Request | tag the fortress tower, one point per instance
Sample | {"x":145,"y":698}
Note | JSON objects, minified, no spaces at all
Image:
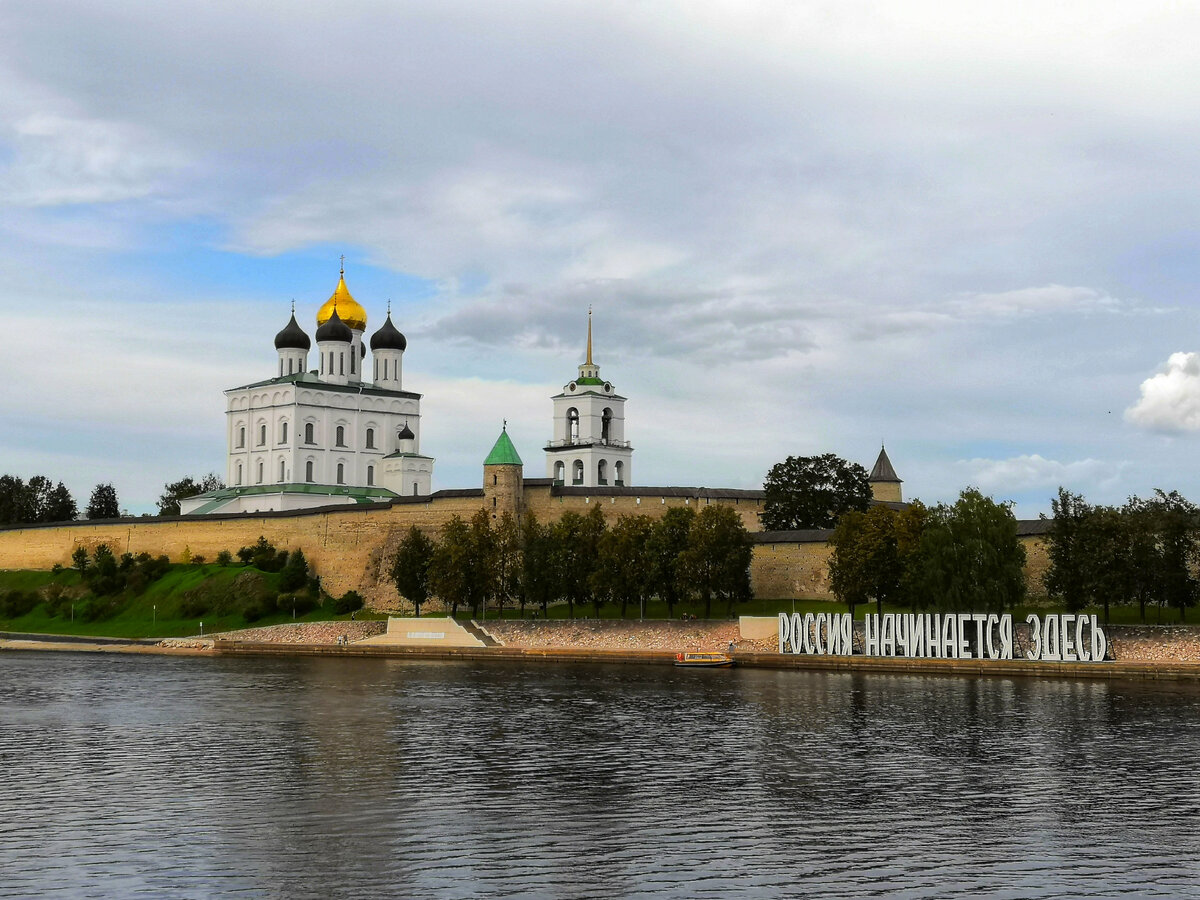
{"x":885,"y":483}
{"x":589,"y":447}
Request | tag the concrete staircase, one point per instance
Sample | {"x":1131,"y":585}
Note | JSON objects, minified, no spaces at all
{"x":478,"y":631}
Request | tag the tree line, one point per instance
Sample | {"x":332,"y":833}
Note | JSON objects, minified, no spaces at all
{"x":1144,"y":553}
{"x":684,"y":557}
{"x":956,"y":557}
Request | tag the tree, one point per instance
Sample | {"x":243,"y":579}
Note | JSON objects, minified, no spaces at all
{"x":624,"y":563}
{"x":459,"y":570}
{"x":168,"y":503}
{"x":575,"y":541}
{"x":865,"y":562}
{"x":1177,"y":550}
{"x":483,"y":561}
{"x":971,"y":560}
{"x":539,"y":582}
{"x":294,"y":574}
{"x":813,"y":492}
{"x":666,"y":544}
{"x":61,"y":506}
{"x":79,"y":559}
{"x":507,"y":560}
{"x":716,"y":562}
{"x":103,"y":503}
{"x":1069,"y":570}
{"x":411,"y":565}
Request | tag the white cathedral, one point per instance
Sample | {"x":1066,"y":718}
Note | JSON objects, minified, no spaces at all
{"x":326,"y":436}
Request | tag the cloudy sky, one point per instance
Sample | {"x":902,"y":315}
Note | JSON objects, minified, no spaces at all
{"x":968,"y":230}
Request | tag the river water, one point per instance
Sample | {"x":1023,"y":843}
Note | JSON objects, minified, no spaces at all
{"x":191,"y":777}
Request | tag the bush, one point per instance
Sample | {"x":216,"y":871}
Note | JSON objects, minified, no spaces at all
{"x":15,"y":604}
{"x":199,"y":560}
{"x":263,"y":555}
{"x":294,"y":573}
{"x":56,"y":569}
{"x":349,"y":602}
{"x":224,"y":558}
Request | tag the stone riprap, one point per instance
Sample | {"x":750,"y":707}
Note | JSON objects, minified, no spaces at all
{"x":306,"y":632}
{"x":615,"y":634}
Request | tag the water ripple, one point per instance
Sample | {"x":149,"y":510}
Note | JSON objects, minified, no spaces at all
{"x":158,"y":777}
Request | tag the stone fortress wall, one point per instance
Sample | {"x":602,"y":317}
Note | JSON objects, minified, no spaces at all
{"x":349,"y":546}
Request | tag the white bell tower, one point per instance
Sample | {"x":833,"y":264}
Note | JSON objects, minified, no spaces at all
{"x":588,"y":448}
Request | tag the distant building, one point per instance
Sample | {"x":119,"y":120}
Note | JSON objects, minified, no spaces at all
{"x":313,"y":438}
{"x":885,"y":483}
{"x":588,"y":448}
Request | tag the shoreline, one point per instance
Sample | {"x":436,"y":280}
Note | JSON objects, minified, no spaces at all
{"x":758,"y":659}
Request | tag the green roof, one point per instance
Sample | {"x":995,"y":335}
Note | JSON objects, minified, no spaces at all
{"x":589,"y":381}
{"x":503,"y":453}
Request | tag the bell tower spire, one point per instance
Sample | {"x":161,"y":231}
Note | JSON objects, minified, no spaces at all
{"x":589,"y":369}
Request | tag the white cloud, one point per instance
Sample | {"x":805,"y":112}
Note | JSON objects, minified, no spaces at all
{"x":1051,"y":298}
{"x":1026,"y":472}
{"x":61,"y":160}
{"x":1170,"y":400}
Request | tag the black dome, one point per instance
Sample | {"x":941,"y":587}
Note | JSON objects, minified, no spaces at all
{"x":406,"y":433}
{"x":388,"y":337}
{"x":335,"y":330}
{"x":292,"y":337}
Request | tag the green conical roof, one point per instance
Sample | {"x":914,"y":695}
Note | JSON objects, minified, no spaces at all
{"x":503,"y":453}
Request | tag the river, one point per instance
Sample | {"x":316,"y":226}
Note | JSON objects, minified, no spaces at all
{"x":195,"y":777}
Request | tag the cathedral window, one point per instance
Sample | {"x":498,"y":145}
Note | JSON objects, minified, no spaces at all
{"x":242,"y":436}
{"x":370,"y":476}
{"x":602,"y":472}
{"x":239,"y":474}
{"x":573,"y":425}
{"x":577,"y":472}
{"x":291,"y":366}
{"x":619,"y":472}
{"x":605,"y":423}
{"x":560,"y":472}
{"x":341,"y":436}
{"x":352,"y":361}
{"x":262,"y":435}
{"x":283,"y":433}
{"x":341,"y":473}
{"x":308,"y":471}
{"x":341,"y":363}
{"x":370,"y":438}
{"x":281,"y":366}
{"x":260,"y":472}
{"x":282,"y":470}
{"x":308,"y":432}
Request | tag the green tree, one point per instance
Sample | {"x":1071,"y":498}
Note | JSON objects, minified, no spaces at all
{"x":60,"y":506}
{"x":483,"y":560}
{"x":575,"y":545}
{"x":971,"y":559}
{"x":168,"y":503}
{"x":666,"y":544}
{"x":459,"y":571}
{"x":539,"y":582}
{"x":1177,"y":550}
{"x":624,"y":571}
{"x":411,"y":566}
{"x":1070,"y":566}
{"x":509,"y":567}
{"x":813,"y":492}
{"x":865,"y":562}
{"x":79,"y":559}
{"x":716,"y":563}
{"x":294,"y":574}
{"x":103,"y":503}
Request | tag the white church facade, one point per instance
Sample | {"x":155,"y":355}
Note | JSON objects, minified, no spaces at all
{"x":307,"y":438}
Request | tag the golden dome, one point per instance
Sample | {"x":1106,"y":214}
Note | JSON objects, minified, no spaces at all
{"x":348,"y":309}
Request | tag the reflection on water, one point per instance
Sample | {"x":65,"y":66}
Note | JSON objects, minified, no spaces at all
{"x":358,"y":778}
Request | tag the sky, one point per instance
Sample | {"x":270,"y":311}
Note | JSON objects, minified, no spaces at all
{"x":969,"y":231}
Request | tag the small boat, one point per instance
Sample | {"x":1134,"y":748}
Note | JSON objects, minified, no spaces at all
{"x":703,"y":660}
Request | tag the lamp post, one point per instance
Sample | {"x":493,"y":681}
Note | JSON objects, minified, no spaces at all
{"x":154,"y":615}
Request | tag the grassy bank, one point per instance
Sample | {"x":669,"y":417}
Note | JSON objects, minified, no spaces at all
{"x":224,"y":598}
